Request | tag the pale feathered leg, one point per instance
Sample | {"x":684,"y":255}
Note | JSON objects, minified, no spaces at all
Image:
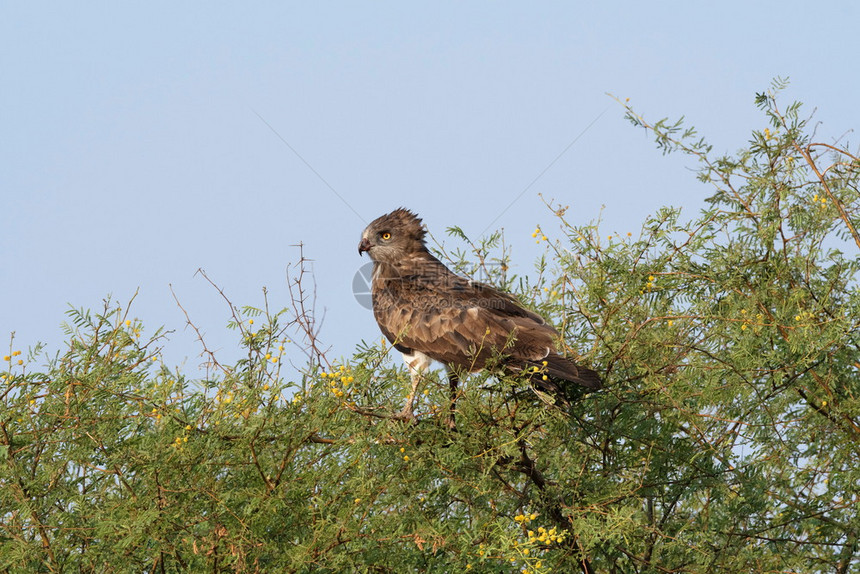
{"x":418,"y":364}
{"x":408,"y":411}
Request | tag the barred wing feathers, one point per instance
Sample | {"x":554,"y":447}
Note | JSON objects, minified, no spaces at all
{"x":464,"y":324}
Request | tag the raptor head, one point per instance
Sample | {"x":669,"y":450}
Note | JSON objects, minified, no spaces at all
{"x":393,"y":236}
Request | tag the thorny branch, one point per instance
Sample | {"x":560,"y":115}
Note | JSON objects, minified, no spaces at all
{"x":303,"y":302}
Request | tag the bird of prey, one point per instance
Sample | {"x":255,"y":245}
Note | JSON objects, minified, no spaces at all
{"x":431,"y":314}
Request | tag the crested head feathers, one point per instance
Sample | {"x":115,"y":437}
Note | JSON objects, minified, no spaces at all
{"x":392,"y":236}
{"x":402,"y":220}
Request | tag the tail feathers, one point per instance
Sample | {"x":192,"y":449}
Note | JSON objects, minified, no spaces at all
{"x":555,"y":377}
{"x":558,"y":367}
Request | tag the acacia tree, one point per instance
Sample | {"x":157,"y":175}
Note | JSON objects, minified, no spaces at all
{"x":727,"y":438}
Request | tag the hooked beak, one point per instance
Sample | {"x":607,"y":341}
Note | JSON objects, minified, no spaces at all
{"x":364,"y":245}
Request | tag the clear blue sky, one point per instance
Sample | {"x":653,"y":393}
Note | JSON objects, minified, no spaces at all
{"x":133,"y":154}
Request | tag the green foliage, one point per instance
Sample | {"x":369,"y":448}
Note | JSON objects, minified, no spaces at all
{"x":727,"y":439}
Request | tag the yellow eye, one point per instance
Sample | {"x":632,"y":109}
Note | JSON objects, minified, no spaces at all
{"x":386,"y":236}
